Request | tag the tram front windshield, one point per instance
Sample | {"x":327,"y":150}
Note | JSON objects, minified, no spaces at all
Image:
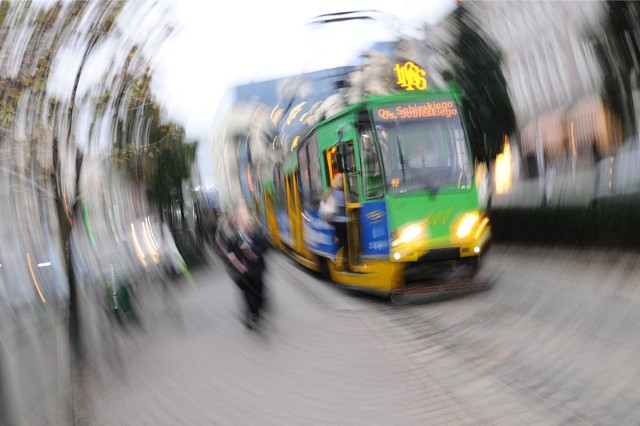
{"x":423,"y":147}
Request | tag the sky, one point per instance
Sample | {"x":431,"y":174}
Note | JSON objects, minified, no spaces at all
{"x":215,"y":47}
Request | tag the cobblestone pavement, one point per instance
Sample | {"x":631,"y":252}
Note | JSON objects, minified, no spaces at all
{"x":316,"y":360}
{"x":507,"y":356}
{"x":554,"y":341}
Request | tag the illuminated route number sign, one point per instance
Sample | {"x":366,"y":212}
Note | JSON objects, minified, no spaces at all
{"x":411,"y":76}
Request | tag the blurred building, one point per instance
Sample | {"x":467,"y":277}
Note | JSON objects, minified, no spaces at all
{"x":551,"y":71}
{"x":234,"y":130}
{"x":554,"y":79}
{"x":547,"y":61}
{"x":565,"y":133}
{"x":243,"y":143}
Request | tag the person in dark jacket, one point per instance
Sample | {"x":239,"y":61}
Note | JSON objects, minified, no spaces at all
{"x":246,"y":253}
{"x":225,"y":233}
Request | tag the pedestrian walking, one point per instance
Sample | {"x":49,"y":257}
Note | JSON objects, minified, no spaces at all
{"x":225,"y":234}
{"x":246,"y":251}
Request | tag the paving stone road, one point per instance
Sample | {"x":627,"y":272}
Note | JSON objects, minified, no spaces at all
{"x":324,"y":356}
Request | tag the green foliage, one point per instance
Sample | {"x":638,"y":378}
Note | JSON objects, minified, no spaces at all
{"x":4,"y":9}
{"x":476,"y":66}
{"x":160,"y":158}
{"x":168,"y":164}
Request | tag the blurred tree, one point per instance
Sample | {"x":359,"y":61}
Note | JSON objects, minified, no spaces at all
{"x":68,"y":203}
{"x":48,"y":129}
{"x":153,"y":151}
{"x":617,"y":48}
{"x":36,"y":134}
{"x":45,"y":135}
{"x":476,"y":67}
{"x":170,"y":166}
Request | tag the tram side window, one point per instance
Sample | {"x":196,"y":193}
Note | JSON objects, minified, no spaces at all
{"x":372,"y":171}
{"x":462,"y":158}
{"x":281,"y":191}
{"x":315,"y":175}
{"x":303,"y":162}
{"x":351,"y":171}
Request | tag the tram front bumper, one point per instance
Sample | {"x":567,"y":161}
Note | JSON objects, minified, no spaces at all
{"x":438,"y":265}
{"x":413,"y":241}
{"x":414,"y":252}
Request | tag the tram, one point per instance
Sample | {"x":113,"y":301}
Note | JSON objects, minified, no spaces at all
{"x":414,"y":222}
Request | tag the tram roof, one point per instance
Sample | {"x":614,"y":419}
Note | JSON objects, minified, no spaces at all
{"x":271,"y":92}
{"x":299,"y":128}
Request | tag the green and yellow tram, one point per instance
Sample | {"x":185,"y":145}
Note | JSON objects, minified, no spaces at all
{"x":414,"y":220}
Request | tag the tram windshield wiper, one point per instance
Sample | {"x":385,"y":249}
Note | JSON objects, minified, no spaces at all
{"x":401,"y":156}
{"x":433,"y":189}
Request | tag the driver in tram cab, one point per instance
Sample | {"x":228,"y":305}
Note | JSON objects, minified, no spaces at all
{"x":420,"y":159}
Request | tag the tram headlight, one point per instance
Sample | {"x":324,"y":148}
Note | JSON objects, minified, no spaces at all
{"x":408,"y":234}
{"x":466,"y":225}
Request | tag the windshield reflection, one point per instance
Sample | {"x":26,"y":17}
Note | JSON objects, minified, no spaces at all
{"x":425,"y":154}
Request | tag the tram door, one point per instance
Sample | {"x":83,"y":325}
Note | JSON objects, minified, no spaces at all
{"x":294,"y":212}
{"x":270,"y":212}
{"x":352,"y":202}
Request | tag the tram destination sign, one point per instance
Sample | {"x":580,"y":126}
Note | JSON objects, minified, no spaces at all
{"x":432,"y":109}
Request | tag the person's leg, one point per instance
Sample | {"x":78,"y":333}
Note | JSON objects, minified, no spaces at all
{"x":341,"y":234}
{"x":244,"y":287}
{"x":257,"y":293}
{"x":255,"y":296}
